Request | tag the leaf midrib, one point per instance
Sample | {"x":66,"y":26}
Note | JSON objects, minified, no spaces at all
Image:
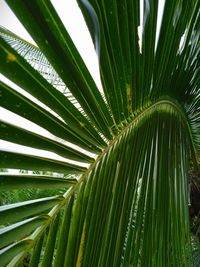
{"x":135,"y":119}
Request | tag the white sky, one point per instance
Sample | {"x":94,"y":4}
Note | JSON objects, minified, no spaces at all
{"x":73,"y":20}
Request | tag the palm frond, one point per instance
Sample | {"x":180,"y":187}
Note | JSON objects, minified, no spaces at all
{"x":129,"y":148}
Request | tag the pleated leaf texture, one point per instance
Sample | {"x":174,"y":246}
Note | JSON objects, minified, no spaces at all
{"x":124,"y":149}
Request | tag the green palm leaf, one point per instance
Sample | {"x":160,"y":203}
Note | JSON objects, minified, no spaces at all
{"x":121,"y":155}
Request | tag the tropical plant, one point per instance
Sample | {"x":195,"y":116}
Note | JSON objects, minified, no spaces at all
{"x":128,"y":145}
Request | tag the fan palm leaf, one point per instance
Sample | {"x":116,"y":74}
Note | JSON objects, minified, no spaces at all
{"x":122,"y":155}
